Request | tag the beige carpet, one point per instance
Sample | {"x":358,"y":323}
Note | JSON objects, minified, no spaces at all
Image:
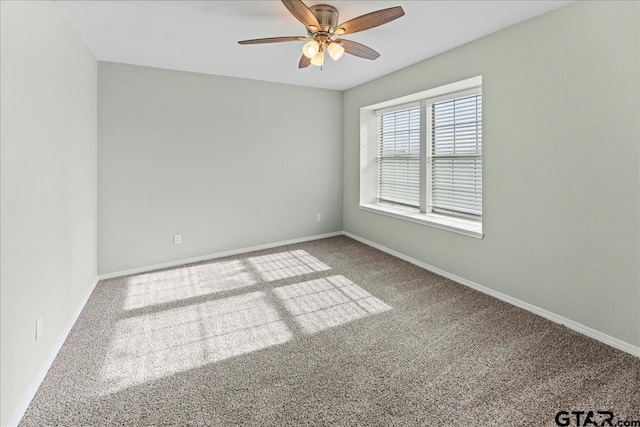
{"x":330,"y":332}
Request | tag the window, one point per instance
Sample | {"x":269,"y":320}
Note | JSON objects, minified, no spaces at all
{"x":427,"y":163}
{"x":456,"y":156}
{"x":399,"y":159}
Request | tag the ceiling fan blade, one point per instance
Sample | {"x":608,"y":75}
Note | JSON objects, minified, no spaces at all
{"x":273,"y":40}
{"x":302,"y":13}
{"x":358,"y":49}
{"x":304,"y":62}
{"x":370,"y":20}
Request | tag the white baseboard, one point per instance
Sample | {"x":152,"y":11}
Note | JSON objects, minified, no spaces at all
{"x":578,"y":327}
{"x":149,"y":268}
{"x":33,"y":388}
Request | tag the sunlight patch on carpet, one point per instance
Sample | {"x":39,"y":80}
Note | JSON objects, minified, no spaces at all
{"x":328,"y":302}
{"x":155,"y":345}
{"x":167,"y":340}
{"x":167,"y":286}
{"x":286,"y":264}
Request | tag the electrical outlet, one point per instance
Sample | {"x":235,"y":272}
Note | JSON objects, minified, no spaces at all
{"x":38,"y":328}
{"x":318,"y":217}
{"x":177,"y":239}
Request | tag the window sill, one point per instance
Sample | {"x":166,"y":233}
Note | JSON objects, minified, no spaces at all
{"x":457,"y":225}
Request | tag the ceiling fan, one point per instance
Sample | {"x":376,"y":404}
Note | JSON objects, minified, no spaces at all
{"x":321,"y":22}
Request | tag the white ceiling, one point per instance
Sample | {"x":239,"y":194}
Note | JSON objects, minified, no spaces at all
{"x":201,"y":36}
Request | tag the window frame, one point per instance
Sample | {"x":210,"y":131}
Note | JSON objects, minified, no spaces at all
{"x":369,"y":166}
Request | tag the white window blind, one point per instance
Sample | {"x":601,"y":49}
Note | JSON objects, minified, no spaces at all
{"x":456,"y":156}
{"x":399,"y":158}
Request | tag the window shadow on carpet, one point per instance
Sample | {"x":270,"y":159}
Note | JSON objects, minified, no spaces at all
{"x":180,"y":319}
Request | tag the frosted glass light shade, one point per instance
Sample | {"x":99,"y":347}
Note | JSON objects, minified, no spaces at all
{"x":318,"y":59}
{"x":335,"y":51}
{"x":310,"y":49}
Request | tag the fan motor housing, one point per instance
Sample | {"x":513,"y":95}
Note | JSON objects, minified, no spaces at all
{"x":326,"y":15}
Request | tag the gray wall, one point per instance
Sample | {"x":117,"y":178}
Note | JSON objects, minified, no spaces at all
{"x":561,"y":165}
{"x":48,"y":186}
{"x":229,"y":163}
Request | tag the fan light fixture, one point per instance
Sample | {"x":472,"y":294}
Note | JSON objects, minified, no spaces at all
{"x":310,"y":49}
{"x":318,"y":59}
{"x":335,"y":51}
{"x":315,"y":52}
